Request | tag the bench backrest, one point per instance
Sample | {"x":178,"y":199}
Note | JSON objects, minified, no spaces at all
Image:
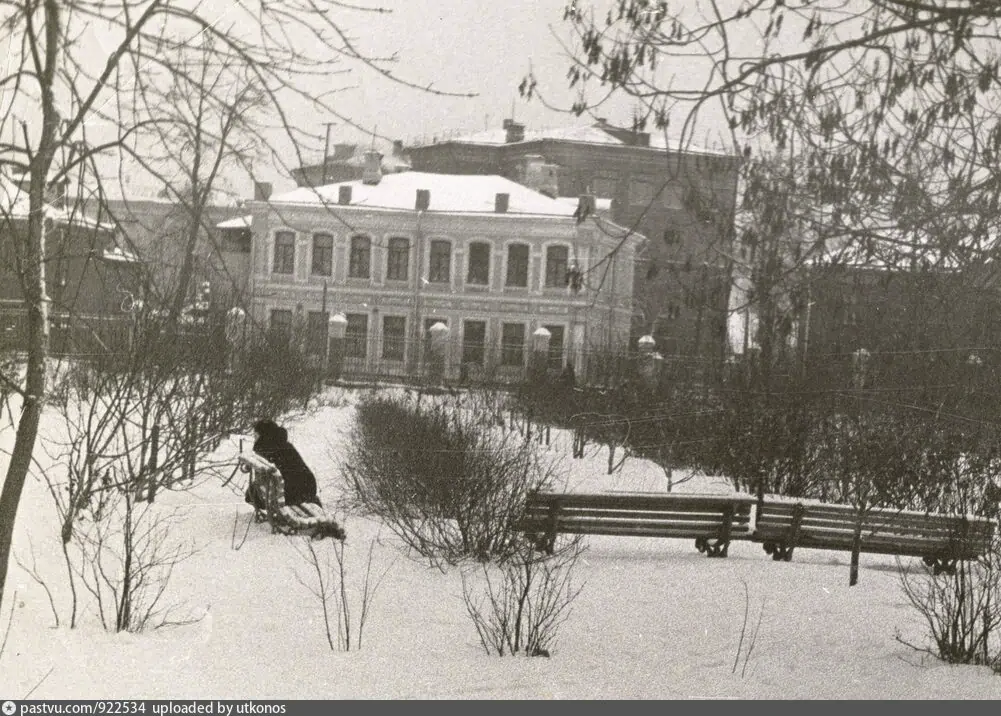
{"x":834,"y":525}
{"x":638,"y":514}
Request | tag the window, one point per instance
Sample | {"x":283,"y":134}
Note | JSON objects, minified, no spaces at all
{"x":316,"y":333}
{"x":440,"y":263}
{"x":398,"y":260}
{"x":479,"y":264}
{"x":474,"y":335}
{"x":556,"y":266}
{"x":281,"y":325}
{"x":513,"y":344}
{"x":517,"y":266}
{"x":323,"y":255}
{"x":394,"y":337}
{"x":356,"y":335}
{"x":284,"y":253}
{"x":556,"y":337}
{"x":359,"y":262}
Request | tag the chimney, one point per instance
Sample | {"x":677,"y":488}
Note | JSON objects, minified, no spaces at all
{"x":513,"y":132}
{"x":501,"y":200}
{"x":344,"y":194}
{"x":423,"y":200}
{"x":372,"y":173}
{"x":585,"y":207}
{"x":262,"y":190}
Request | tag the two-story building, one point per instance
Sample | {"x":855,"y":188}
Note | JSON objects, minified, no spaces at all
{"x":488,"y":258}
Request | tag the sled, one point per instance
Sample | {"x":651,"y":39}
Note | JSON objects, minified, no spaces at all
{"x":307,"y":519}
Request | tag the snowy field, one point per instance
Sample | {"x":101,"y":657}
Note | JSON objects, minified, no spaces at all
{"x":655,"y":619}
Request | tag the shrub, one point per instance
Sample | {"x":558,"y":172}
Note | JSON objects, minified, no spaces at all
{"x":450,"y":485}
{"x":524,"y":601}
{"x":961,"y":611}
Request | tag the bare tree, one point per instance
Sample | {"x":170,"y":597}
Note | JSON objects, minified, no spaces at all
{"x":88,"y":106}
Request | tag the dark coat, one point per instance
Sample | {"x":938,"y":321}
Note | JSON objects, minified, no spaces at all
{"x":272,"y":444}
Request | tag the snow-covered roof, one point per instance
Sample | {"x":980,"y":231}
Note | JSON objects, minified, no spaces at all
{"x":240,"y":222}
{"x":588,"y":134}
{"x":449,"y":193}
{"x":601,"y":204}
{"x":120,"y":255}
{"x":14,"y":206}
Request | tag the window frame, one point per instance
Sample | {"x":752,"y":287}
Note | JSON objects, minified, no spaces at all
{"x":280,"y":330}
{"x":398,"y":343}
{"x":434,"y":275}
{"x":508,"y":272}
{"x":507,"y":347}
{"x":397,"y":258}
{"x":356,"y":338}
{"x":482,"y":265}
{"x":327,"y":253}
{"x":549,"y":280}
{"x":477,"y":347}
{"x":284,"y":253}
{"x":554,"y":358}
{"x":360,"y":247}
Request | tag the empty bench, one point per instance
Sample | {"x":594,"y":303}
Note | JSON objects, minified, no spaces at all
{"x":307,"y":518}
{"x":711,"y":520}
{"x":940,"y":540}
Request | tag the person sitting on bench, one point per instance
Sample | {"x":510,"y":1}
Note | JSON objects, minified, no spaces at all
{"x":273,"y":445}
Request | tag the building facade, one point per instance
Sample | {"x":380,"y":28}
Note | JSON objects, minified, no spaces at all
{"x":87,"y":276}
{"x":487,"y":258}
{"x":683,"y":201}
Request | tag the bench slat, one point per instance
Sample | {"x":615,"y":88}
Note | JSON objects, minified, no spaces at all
{"x":673,"y":516}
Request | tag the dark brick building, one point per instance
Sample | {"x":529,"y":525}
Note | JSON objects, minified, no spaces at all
{"x":682,"y":201}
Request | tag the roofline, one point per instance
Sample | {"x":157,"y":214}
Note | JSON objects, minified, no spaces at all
{"x":396,"y":210}
{"x":559,"y":140}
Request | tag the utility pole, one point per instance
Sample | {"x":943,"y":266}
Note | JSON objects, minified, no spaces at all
{"x":326,"y":150}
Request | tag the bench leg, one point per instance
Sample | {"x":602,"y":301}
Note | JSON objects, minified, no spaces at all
{"x":941,"y":565}
{"x":780,"y":551}
{"x":714,"y":548}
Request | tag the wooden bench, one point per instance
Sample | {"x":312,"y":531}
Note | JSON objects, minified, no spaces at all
{"x":308,"y":518}
{"x":940,"y":540}
{"x":711,"y":520}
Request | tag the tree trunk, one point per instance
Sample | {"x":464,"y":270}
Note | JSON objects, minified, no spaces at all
{"x":856,"y":549}
{"x":35,"y":296}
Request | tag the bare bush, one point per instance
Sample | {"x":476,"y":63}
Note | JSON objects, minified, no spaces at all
{"x":522,"y":603}
{"x":961,"y":611}
{"x":330,"y":586}
{"x":126,"y":560}
{"x":449,"y":486}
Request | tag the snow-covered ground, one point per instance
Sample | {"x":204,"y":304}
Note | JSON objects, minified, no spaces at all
{"x":655,"y":618}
